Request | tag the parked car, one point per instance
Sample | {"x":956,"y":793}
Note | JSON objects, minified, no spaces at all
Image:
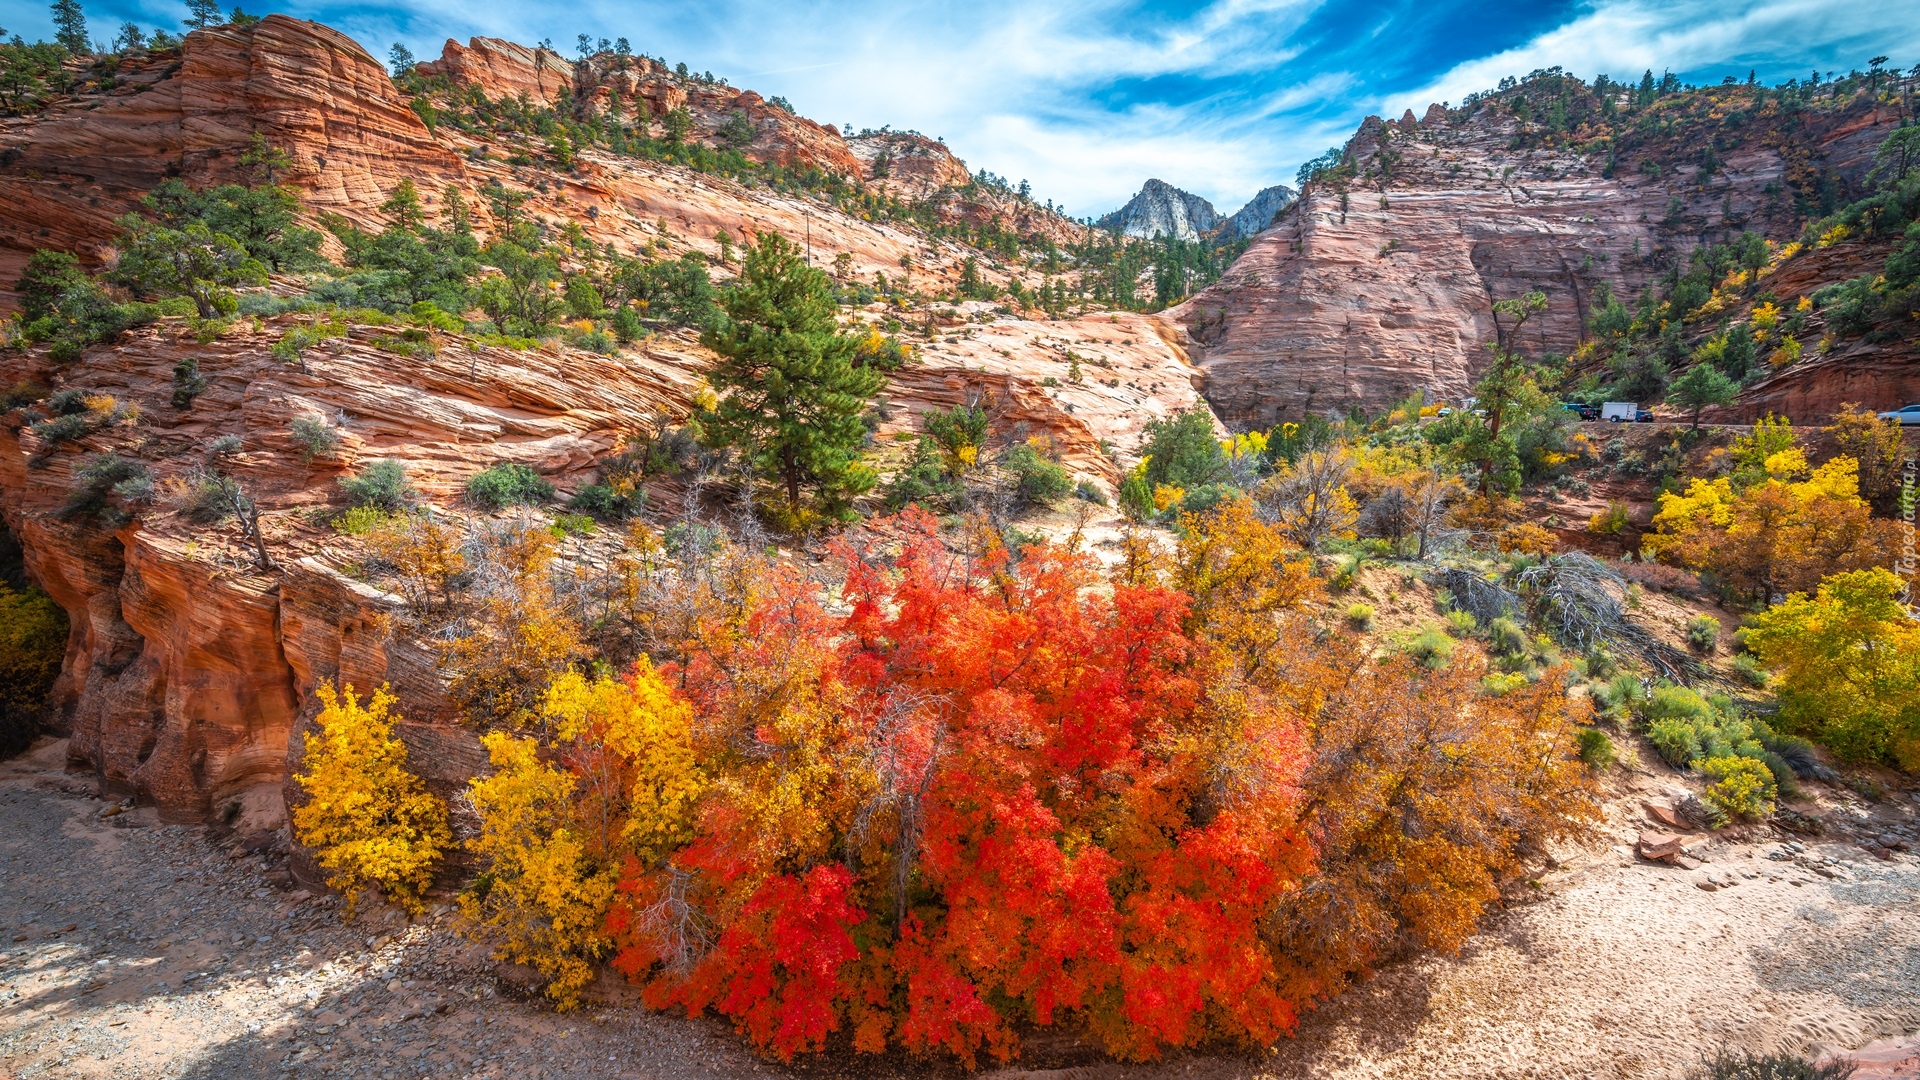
{"x":1620,"y":412}
{"x":1643,"y":416}
{"x":1908,"y":415}
{"x":1585,"y":412}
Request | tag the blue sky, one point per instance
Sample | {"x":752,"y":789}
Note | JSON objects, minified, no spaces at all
{"x":1088,"y":98}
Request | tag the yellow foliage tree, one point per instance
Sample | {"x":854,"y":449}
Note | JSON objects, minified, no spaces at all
{"x":543,"y":896}
{"x":369,"y":821}
{"x":619,"y":783}
{"x":1777,"y":535}
{"x":1848,"y":661}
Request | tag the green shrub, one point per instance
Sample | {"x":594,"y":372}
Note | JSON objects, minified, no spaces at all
{"x":1506,"y":636}
{"x":923,"y":479}
{"x":605,"y":500}
{"x":382,"y":486}
{"x":1703,"y":633}
{"x":1498,"y":683}
{"x":1596,"y":748}
{"x":1461,"y":624}
{"x":1360,"y":616}
{"x":1432,"y":648}
{"x":360,"y":520}
{"x":1204,"y":498}
{"x":1676,"y":741}
{"x":1087,"y":491}
{"x":1740,"y":787}
{"x":188,"y":383}
{"x":507,"y":485}
{"x":572,"y":525}
{"x":1036,"y":479}
{"x":315,"y":438}
{"x":1750,"y":671}
{"x":1677,"y":703}
{"x":1626,"y":693}
{"x":1600,"y":663}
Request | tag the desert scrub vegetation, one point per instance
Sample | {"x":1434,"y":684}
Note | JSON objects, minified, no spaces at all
{"x":369,"y":821}
{"x":769,"y":776}
{"x":381,"y":486}
{"x":507,"y":485}
{"x":33,"y":643}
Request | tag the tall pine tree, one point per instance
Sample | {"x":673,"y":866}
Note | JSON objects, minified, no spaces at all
{"x":70,"y":26}
{"x":794,"y":396}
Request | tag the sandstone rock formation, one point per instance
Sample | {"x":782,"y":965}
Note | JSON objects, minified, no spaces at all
{"x":1129,"y":374}
{"x":308,"y":88}
{"x":503,"y":69}
{"x":1375,"y":288}
{"x":186,"y":670}
{"x":1160,"y":209}
{"x":907,"y":164}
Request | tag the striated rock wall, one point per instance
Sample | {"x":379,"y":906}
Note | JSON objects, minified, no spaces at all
{"x":1130,"y":373}
{"x":1360,"y":296}
{"x":308,"y":88}
{"x":187,"y":672}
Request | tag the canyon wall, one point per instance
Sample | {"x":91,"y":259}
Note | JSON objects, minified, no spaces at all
{"x":1383,"y":285}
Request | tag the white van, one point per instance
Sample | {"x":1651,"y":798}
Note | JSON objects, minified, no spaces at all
{"x":1621,"y":412}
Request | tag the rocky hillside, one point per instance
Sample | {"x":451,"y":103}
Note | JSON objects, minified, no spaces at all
{"x":1380,"y":280}
{"x":353,"y":134}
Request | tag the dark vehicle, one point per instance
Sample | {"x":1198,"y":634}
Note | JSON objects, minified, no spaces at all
{"x":1586,"y":412}
{"x":1643,"y":416}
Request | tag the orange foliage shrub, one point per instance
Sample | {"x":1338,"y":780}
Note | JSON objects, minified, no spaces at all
{"x":983,"y":794}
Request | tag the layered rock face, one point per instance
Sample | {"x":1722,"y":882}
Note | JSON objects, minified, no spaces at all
{"x":1255,"y":217}
{"x":187,"y":671}
{"x":1160,"y":209}
{"x":504,"y":70}
{"x":1091,"y":385}
{"x":308,"y":88}
{"x":1359,"y":297}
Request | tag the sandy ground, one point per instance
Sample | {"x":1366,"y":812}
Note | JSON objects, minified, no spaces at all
{"x":129,"y":948}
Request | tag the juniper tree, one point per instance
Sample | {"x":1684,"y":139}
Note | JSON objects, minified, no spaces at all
{"x":794,"y":399}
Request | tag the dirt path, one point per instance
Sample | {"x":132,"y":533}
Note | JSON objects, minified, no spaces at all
{"x":135,"y":949}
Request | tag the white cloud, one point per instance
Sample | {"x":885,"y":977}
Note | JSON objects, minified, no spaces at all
{"x":1700,"y":38}
{"x":1234,"y":97}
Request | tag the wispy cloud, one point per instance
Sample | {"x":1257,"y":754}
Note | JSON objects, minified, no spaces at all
{"x":1088,"y":98}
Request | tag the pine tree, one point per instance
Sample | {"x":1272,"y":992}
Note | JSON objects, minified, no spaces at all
{"x":70,"y":26}
{"x":202,"y":14}
{"x":794,"y":398}
{"x":1701,"y":386}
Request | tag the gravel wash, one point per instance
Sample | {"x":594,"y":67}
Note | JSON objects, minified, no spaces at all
{"x":131,"y":948}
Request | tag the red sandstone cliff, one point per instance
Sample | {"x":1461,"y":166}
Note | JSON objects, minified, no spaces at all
{"x":308,"y":88}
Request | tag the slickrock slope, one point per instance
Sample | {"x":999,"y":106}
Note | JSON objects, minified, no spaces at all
{"x":1359,"y":297}
{"x":1130,"y":374}
{"x":186,"y":669}
{"x":308,"y":88}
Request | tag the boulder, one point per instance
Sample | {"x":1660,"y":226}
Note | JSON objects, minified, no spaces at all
{"x":1659,"y":847}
